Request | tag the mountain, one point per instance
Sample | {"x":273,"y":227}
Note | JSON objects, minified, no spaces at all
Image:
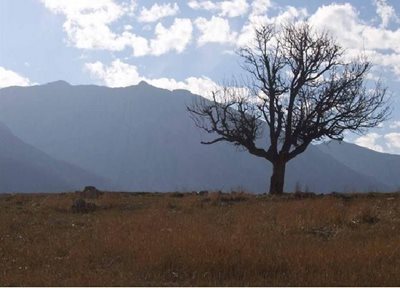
{"x":381,"y":166}
{"x":24,"y":168}
{"x":143,"y":139}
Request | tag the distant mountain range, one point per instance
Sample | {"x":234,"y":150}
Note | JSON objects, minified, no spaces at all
{"x":23,"y":168}
{"x":380,"y":166}
{"x":141,"y":138}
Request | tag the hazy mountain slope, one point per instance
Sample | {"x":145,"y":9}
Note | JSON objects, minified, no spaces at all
{"x":382,"y":166}
{"x":321,"y":172}
{"x":24,"y":168}
{"x":142,"y":138}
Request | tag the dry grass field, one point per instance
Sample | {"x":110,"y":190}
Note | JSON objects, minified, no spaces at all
{"x":213,"y":240}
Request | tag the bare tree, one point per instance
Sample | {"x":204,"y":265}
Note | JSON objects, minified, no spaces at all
{"x":300,"y":89}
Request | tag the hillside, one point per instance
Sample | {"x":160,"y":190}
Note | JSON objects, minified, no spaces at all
{"x":142,"y":139}
{"x":382,"y":166}
{"x":24,"y":168}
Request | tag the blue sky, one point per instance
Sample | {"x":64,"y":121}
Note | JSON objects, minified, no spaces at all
{"x":184,"y":44}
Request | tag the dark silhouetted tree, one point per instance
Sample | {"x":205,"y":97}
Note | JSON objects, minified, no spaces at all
{"x":300,"y":88}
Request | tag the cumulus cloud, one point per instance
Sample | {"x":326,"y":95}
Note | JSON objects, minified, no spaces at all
{"x":385,"y":12}
{"x":87,"y":22}
{"x":388,"y":143}
{"x":382,"y":45}
{"x":232,"y":8}
{"x":176,"y":37}
{"x":370,"y":141}
{"x":290,"y":14}
{"x":11,"y":78}
{"x":197,"y":85}
{"x":344,"y":22}
{"x":87,"y":26}
{"x":140,"y":45}
{"x":390,"y":61}
{"x":259,"y":16}
{"x":120,"y":74}
{"x":157,"y":12}
{"x":395,"y":125}
{"x":215,"y":30}
{"x":393,"y":141}
{"x":260,"y":7}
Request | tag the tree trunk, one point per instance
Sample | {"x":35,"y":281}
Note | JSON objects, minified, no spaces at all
{"x":277,"y":178}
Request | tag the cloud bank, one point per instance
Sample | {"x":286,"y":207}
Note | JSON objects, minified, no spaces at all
{"x":11,"y":78}
{"x":120,"y":74}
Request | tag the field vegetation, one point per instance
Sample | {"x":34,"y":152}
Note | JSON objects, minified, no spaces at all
{"x":175,"y":239}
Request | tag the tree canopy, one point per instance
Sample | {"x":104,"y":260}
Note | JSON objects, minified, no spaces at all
{"x":301,"y":87}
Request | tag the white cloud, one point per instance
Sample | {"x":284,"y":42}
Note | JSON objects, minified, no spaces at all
{"x":259,"y":16}
{"x":344,"y":22}
{"x":128,"y":27}
{"x":232,"y":8}
{"x":380,"y":44}
{"x":11,"y":78}
{"x":176,"y":37}
{"x":88,"y":23}
{"x":394,"y":125}
{"x":387,"y":143}
{"x":393,"y":141}
{"x":290,"y":14}
{"x":157,"y":12}
{"x":389,"y":60}
{"x":88,"y":26}
{"x":197,"y":85}
{"x":205,"y":5}
{"x":369,"y":141}
{"x":120,"y":74}
{"x":385,"y":12}
{"x":260,"y":7}
{"x":215,"y":30}
{"x":129,"y":7}
{"x":247,"y":33}
{"x":140,"y":45}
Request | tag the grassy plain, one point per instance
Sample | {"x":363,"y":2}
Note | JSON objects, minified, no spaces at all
{"x":174,"y":239}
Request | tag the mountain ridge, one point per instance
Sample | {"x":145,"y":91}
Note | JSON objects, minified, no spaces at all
{"x":142,"y":138}
{"x":27,"y":169}
{"x":375,"y":164}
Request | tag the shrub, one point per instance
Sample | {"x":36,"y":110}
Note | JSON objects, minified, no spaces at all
{"x":81,"y":206}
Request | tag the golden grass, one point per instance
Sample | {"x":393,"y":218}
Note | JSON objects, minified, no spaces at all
{"x":215,"y":240}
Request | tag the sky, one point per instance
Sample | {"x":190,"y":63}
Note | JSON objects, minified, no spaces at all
{"x":185,"y":44}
